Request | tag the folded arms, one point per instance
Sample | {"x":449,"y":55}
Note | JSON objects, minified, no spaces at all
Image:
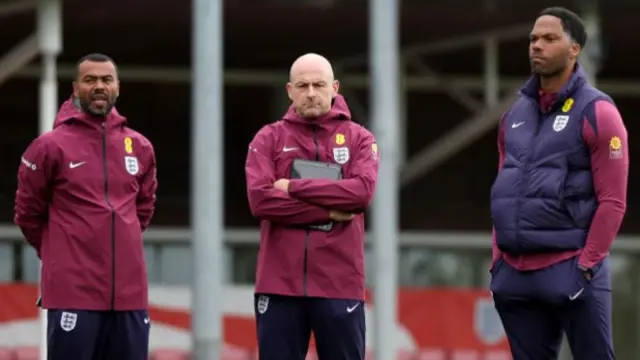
{"x":308,"y":201}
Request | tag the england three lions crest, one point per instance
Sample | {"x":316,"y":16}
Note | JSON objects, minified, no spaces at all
{"x":262,"y":304}
{"x":131,"y":164}
{"x":341,"y":155}
{"x":560,"y":122}
{"x":68,"y":321}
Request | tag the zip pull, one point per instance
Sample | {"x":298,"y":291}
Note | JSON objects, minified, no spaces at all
{"x":104,"y":125}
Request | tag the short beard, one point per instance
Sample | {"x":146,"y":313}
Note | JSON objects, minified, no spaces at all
{"x":102,"y":113}
{"x":554,"y":72}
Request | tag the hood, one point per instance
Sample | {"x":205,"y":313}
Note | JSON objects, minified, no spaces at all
{"x":70,"y":112}
{"x":576,"y":81}
{"x":339,"y":111}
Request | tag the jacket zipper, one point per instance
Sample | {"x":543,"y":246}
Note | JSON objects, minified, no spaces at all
{"x":527,"y":165}
{"x":113,"y":216}
{"x":306,"y":235}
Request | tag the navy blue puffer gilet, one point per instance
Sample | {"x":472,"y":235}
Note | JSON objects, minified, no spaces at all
{"x":543,"y":198}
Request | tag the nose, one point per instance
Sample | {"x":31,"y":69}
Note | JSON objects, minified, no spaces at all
{"x":536,"y":46}
{"x":311,"y":91}
{"x":99,"y":85}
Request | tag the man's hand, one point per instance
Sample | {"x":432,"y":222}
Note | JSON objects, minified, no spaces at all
{"x":587,"y":273}
{"x":282,"y":184}
{"x":340,"y":216}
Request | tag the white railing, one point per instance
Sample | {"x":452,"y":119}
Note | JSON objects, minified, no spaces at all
{"x":249,"y":236}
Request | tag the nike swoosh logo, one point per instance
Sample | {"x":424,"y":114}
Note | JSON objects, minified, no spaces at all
{"x":146,"y":320}
{"x":73,"y":165}
{"x":287,"y":149}
{"x":350,"y":309}
{"x":517,"y":124}
{"x":575,"y":296}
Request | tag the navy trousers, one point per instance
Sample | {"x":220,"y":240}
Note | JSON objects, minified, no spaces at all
{"x":536,"y":307}
{"x":97,"y":335}
{"x":285,"y":323}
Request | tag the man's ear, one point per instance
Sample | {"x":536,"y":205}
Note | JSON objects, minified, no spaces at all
{"x":289,"y":87}
{"x":575,"y":50}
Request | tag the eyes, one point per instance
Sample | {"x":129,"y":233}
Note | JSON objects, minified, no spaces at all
{"x":315,"y":85}
{"x":547,"y":38}
{"x":92,"y":79}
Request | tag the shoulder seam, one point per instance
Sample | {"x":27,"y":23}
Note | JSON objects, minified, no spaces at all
{"x":585,"y":112}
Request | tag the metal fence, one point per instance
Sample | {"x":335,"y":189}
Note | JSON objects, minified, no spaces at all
{"x":442,"y":259}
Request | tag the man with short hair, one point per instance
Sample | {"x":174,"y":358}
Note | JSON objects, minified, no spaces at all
{"x":86,"y":192}
{"x":310,"y":275}
{"x":558,"y":201}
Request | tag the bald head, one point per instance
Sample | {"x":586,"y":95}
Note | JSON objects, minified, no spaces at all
{"x":311,"y":85}
{"x":311,"y":63}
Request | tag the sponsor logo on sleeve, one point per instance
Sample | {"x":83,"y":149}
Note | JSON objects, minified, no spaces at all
{"x":28,"y":164}
{"x":615,"y":148}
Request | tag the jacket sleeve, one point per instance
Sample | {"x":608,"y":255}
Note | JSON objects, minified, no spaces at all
{"x":608,"y":143}
{"x":267,"y":202}
{"x":146,"y":200}
{"x":351,"y":195}
{"x":34,"y":193}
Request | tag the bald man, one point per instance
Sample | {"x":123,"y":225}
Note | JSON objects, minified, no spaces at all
{"x":310,"y":273}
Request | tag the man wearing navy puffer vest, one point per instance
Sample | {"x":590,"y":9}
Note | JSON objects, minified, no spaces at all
{"x":558,"y":202}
